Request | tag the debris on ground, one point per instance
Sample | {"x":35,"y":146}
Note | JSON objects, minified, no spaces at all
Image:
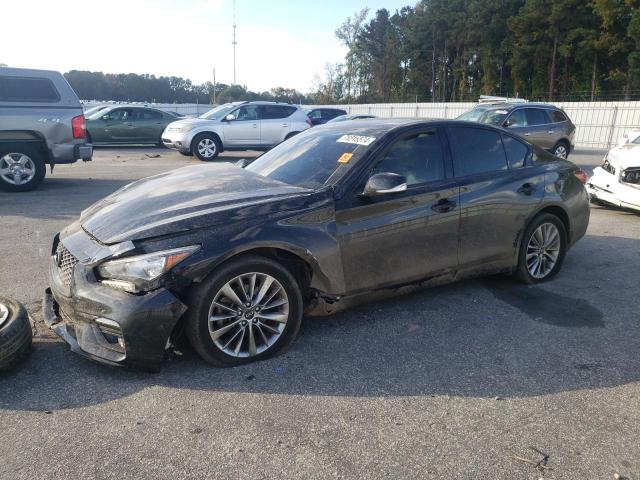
{"x":541,"y":464}
{"x":152,"y":155}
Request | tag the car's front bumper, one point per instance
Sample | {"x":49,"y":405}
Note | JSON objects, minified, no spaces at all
{"x":607,"y":188}
{"x":177,"y":140}
{"x":105,"y":324}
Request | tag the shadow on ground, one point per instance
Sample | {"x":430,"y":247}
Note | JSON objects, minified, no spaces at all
{"x":480,"y":338}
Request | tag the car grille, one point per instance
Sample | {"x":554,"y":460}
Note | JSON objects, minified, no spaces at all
{"x":66,"y":262}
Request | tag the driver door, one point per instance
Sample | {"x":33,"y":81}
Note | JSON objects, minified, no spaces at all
{"x":404,"y":236}
{"x":244,"y":130}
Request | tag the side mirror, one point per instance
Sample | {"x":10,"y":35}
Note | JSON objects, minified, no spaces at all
{"x":230,"y":118}
{"x":508,"y":123}
{"x":243,"y":162}
{"x":383,"y":183}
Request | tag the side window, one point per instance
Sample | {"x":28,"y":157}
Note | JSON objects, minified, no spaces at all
{"x":21,"y":89}
{"x":517,"y":119}
{"x":271,"y":112}
{"x":557,"y":116}
{"x":418,"y":158}
{"x":536,"y":116}
{"x":118,"y":115}
{"x":516,"y":151}
{"x":476,"y":150}
{"x":247,"y":113}
{"x":315,"y":114}
{"x":149,"y":115}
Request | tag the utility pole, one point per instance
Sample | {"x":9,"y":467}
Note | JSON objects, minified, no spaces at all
{"x":214,"y":86}
{"x":234,"y":42}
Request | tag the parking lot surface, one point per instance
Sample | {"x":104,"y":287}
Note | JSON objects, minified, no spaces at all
{"x":480,"y":379}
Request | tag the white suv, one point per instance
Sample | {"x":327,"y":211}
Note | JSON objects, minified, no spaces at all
{"x":235,"y":126}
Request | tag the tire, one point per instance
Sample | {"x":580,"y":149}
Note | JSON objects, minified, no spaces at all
{"x":524,"y":271}
{"x":15,"y":334}
{"x":14,"y":178}
{"x":204,"y":143}
{"x":186,"y":154}
{"x":241,"y":327}
{"x":561,"y":149}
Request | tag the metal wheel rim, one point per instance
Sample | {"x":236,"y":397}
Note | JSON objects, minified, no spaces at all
{"x":17,"y":168}
{"x":248,"y":315}
{"x":4,"y":313}
{"x":561,"y":151}
{"x":543,"y":250}
{"x":207,"y":147}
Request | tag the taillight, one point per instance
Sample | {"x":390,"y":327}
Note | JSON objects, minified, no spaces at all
{"x":79,"y":127}
{"x":581,"y":175}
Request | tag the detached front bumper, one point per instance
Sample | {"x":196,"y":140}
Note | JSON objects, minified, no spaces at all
{"x":607,"y":188}
{"x":108,"y":325}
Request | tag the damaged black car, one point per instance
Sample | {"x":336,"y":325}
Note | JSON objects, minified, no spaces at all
{"x":235,"y":257}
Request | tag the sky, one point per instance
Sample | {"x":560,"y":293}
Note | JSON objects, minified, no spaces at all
{"x":280,"y":42}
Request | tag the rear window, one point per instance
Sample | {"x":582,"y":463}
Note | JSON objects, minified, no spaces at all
{"x":557,"y":116}
{"x":516,"y":151}
{"x":476,"y":150}
{"x":22,"y":89}
{"x":270,"y":112}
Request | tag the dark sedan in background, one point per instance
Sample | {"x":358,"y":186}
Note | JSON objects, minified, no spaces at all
{"x":542,"y":124}
{"x":124,"y":124}
{"x":320,"y":116}
{"x":235,"y":256}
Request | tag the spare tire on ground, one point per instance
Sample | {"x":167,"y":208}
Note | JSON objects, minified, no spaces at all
{"x":15,"y":333}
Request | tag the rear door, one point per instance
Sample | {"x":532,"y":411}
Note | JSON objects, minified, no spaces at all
{"x":244,"y":131}
{"x":149,"y":124}
{"x":540,"y":129}
{"x":120,"y":127}
{"x":499,"y":189}
{"x":275,"y":123}
{"x":404,"y":236}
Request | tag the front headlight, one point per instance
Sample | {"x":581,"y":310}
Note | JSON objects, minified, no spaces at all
{"x":131,"y":271}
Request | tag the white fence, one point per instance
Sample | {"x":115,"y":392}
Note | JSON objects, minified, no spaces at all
{"x":598,"y":124}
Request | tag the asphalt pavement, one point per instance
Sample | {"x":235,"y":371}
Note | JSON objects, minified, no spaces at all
{"x":481,"y":379}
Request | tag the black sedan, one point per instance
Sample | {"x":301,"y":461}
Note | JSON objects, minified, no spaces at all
{"x":234,"y":257}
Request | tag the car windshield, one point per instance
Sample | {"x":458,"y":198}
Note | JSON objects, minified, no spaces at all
{"x":218,"y":112}
{"x":309,"y":159}
{"x":482,"y":115}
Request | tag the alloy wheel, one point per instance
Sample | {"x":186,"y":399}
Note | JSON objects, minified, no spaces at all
{"x":561,"y":151}
{"x":543,"y":250}
{"x":17,"y":168}
{"x":207,"y":148}
{"x":248,"y":315}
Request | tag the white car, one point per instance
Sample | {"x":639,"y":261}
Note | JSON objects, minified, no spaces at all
{"x":235,"y":126}
{"x":617,"y":181}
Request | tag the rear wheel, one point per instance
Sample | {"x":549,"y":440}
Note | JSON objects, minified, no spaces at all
{"x":561,"y":149}
{"x":248,"y":310}
{"x":21,"y":168}
{"x":542,"y":249}
{"x":205,"y":146}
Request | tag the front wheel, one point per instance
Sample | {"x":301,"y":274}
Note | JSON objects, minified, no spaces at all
{"x":248,"y":310}
{"x":21,"y":168}
{"x":205,"y":146}
{"x":542,"y":249}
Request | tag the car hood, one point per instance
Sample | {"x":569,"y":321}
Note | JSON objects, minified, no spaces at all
{"x":190,"y":122}
{"x":183,"y":199}
{"x":625,"y":156}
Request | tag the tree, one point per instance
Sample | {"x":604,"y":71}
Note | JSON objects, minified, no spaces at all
{"x":348,"y":34}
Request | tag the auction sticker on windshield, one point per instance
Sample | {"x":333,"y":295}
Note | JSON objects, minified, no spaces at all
{"x":357,"y":139}
{"x":345,"y":157}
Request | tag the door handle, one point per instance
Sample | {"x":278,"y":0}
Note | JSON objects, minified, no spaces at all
{"x":527,"y":189}
{"x":255,"y":125}
{"x":443,"y":205}
{"x":129,"y":124}
{"x":527,"y":134}
{"x":285,"y":124}
{"x":551,"y":132}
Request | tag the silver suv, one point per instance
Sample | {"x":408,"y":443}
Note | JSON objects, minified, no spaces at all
{"x":235,"y":126}
{"x":41,"y":122}
{"x":542,"y":124}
